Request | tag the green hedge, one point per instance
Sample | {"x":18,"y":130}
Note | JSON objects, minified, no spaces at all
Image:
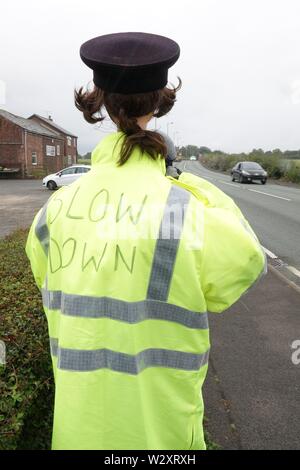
{"x":38,"y":173}
{"x":293,"y":172}
{"x":26,"y":383}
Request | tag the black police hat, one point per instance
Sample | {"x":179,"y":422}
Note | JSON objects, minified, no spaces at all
{"x":130,"y":62}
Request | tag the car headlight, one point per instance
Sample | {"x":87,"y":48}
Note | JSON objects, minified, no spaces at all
{"x":245,"y":172}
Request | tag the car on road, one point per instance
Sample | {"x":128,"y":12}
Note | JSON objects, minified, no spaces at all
{"x":65,"y":176}
{"x":248,"y":171}
{"x":193,"y":158}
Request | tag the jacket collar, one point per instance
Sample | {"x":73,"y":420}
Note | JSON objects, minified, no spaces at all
{"x":108,"y":150}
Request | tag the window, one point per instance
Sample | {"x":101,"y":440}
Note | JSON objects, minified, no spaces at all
{"x":251,"y":166}
{"x":69,"y":140}
{"x":33,"y":158}
{"x":69,"y":159}
{"x":82,"y":169}
{"x":50,"y":150}
{"x":74,"y":141}
{"x":68,"y":171}
{"x":58,"y":150}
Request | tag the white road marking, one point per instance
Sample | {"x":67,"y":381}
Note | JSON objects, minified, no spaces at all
{"x":268,"y":194}
{"x":200,"y":175}
{"x":269,"y":253}
{"x":294,"y":270}
{"x":230,"y":184}
{"x":207,"y":177}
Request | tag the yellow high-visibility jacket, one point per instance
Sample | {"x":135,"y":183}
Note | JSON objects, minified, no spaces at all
{"x":129,"y":262}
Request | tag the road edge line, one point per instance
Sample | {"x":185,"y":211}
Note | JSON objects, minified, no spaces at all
{"x":283,"y":270}
{"x":284,"y":278}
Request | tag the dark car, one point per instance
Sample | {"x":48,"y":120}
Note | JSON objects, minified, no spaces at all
{"x":248,"y":171}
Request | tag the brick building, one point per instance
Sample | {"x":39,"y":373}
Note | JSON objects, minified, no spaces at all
{"x":70,"y":140}
{"x":29,"y":145}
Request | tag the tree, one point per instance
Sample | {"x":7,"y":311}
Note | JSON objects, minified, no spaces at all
{"x":192,"y":150}
{"x":204,"y":150}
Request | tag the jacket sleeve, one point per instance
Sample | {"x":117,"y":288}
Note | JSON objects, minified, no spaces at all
{"x":233,"y":259}
{"x":36,"y":247}
{"x":209,"y":194}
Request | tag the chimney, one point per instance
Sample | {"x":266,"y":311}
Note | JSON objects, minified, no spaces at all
{"x":50,"y":118}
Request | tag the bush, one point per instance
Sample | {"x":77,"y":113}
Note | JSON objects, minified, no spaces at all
{"x":293,"y":173}
{"x":38,"y":173}
{"x":26,"y":384}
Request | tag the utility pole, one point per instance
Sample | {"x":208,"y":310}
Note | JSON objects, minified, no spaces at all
{"x":169,"y":124}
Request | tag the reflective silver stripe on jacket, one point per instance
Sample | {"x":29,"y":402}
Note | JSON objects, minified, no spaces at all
{"x":41,"y":229}
{"x":167,"y":244}
{"x":54,"y":346}
{"x":129,"y":312}
{"x":84,"y":360}
{"x":154,"y":307}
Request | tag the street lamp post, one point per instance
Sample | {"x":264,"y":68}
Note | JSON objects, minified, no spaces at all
{"x":169,"y":124}
{"x":176,"y":138}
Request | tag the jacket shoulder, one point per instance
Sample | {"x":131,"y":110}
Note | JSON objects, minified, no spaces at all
{"x":209,"y":194}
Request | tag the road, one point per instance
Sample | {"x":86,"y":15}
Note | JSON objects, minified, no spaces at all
{"x":252,"y":390}
{"x":272,"y":210}
{"x":20,"y":200}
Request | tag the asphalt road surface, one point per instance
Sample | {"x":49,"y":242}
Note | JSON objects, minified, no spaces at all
{"x":252,"y":391}
{"x":20,"y":200}
{"x":272,"y":210}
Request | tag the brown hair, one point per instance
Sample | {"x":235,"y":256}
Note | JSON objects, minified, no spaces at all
{"x":125,"y":109}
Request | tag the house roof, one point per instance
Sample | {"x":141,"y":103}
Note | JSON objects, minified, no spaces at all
{"x":53,"y":124}
{"x":28,"y":124}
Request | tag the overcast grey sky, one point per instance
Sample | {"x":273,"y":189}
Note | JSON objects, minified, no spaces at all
{"x":239,"y":63}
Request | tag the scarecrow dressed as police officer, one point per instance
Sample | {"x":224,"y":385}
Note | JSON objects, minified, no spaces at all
{"x":129,"y":261}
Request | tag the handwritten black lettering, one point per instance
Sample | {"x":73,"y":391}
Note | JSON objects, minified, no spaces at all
{"x":85,"y":263}
{"x":128,"y":209}
{"x":119,"y":254}
{"x":104,"y":206}
{"x":70,"y":206}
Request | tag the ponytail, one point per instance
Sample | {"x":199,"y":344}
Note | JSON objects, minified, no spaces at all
{"x":124,"y":111}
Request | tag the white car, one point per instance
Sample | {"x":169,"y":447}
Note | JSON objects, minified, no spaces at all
{"x":65,"y":176}
{"x":193,"y":158}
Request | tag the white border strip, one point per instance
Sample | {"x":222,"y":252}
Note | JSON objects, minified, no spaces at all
{"x":293,"y":270}
{"x":269,"y":253}
{"x":268,"y":194}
